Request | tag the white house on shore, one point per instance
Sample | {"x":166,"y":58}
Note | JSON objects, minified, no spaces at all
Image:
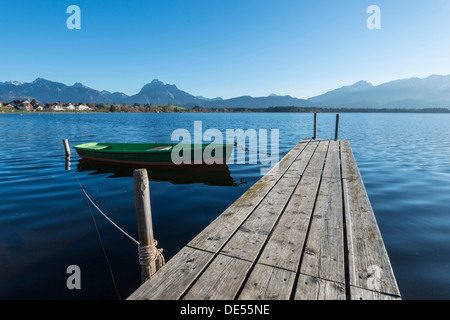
{"x":56,"y":107}
{"x":76,"y":107}
{"x":82,"y":107}
{"x":68,"y":107}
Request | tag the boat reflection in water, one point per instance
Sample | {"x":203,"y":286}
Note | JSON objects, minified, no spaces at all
{"x":214,"y":175}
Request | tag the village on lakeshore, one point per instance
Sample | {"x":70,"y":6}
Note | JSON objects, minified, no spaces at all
{"x":33,"y":106}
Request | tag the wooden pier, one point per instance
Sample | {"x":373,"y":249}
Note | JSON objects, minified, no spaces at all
{"x":305,"y":231}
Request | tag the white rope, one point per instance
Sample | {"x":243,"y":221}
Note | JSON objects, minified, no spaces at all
{"x":126,"y":234}
{"x":147,"y":254}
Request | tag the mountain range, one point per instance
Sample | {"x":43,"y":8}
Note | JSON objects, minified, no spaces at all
{"x":433,"y":91}
{"x":430,"y":92}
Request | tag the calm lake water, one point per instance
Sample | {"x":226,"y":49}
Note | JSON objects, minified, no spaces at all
{"x":46,"y":226}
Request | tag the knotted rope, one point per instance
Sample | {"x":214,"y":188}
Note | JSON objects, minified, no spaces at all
{"x":149,"y":254}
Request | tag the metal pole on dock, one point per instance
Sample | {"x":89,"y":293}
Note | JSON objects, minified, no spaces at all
{"x":315,"y":126}
{"x":144,"y":218}
{"x":66,"y":147}
{"x":337,"y":127}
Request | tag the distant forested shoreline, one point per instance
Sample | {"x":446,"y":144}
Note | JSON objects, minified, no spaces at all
{"x":33,"y":106}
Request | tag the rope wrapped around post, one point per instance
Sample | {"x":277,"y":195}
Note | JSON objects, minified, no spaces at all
{"x":149,"y":254}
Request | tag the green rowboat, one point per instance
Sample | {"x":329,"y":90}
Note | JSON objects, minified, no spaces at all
{"x":159,"y":154}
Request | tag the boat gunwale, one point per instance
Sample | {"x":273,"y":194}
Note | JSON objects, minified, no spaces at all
{"x":111,"y":151}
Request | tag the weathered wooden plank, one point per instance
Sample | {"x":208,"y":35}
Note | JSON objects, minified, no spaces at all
{"x":299,"y":165}
{"x":285,"y":245}
{"x":349,"y":167}
{"x":281,"y":167}
{"x":332,"y":168}
{"x":312,"y":288}
{"x":363,"y":294}
{"x":345,"y":146}
{"x":369,"y":265}
{"x":219,"y":231}
{"x":248,"y":240}
{"x":171,"y":281}
{"x":324,"y":252}
{"x":268,"y":283}
{"x":315,"y":166}
{"x":221,"y":280}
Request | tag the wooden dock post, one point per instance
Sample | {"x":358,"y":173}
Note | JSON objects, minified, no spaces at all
{"x":67,"y":166}
{"x":337,"y":127}
{"x":144,"y":218}
{"x":66,"y":148}
{"x":315,"y":126}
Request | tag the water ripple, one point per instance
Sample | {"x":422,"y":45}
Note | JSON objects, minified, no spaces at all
{"x":46,"y":226}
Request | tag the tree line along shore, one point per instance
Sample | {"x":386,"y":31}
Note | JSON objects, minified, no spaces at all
{"x":34,"y":106}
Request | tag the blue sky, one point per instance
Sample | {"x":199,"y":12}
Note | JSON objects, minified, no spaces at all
{"x":224,"y":48}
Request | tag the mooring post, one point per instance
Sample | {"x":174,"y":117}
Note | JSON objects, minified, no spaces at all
{"x":144,"y":218}
{"x":66,"y":147}
{"x":337,"y":127}
{"x":67,"y":166}
{"x":315,"y":126}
